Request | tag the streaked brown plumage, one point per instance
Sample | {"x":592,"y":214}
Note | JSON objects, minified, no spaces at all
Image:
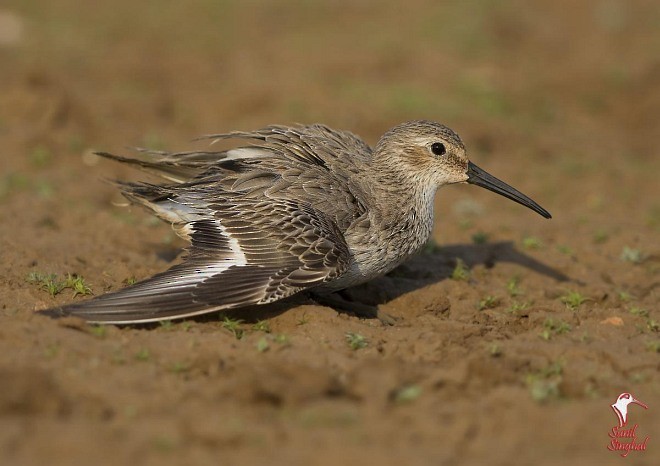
{"x":299,"y":208}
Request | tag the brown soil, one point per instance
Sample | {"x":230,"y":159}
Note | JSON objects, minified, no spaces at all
{"x":561,"y":100}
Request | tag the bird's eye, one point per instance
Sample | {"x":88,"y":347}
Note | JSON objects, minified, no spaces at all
{"x":438,"y":148}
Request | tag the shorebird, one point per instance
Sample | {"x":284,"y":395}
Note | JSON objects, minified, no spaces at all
{"x":295,"y":208}
{"x":620,"y":407}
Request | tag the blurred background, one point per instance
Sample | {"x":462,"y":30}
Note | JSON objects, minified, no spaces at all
{"x":559,"y":98}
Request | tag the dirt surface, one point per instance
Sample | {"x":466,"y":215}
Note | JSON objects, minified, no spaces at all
{"x":515,"y":333}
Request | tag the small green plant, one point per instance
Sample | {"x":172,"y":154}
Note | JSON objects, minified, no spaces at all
{"x":544,"y":384}
{"x":625,"y":296}
{"x":130,"y":280}
{"x":638,"y":311}
{"x":47,"y":282}
{"x":465,"y":223}
{"x":564,"y":249}
{"x":653,"y":217}
{"x":262,"y":344}
{"x":186,"y":326}
{"x":489,"y":302}
{"x":461,"y":271}
{"x":77,"y":284}
{"x":653,"y":346}
{"x":634,"y":256}
{"x":261,"y":326}
{"x":166,"y":324}
{"x":600,"y":236}
{"x":99,"y":330}
{"x":44,"y":189}
{"x":518,"y":306}
{"x":531,"y":242}
{"x":40,"y":156}
{"x":513,"y":286}
{"x":495,"y":350}
{"x":480,"y":238}
{"x":54,"y":286}
{"x":233,"y":326}
{"x":573,"y":299}
{"x":554,"y":327}
{"x":143,"y":355}
{"x":52,"y":350}
{"x":282,"y":339}
{"x":653,"y":325}
{"x":407,"y":394}
{"x":180,"y":367}
{"x":356,"y":341}
{"x":11,"y":183}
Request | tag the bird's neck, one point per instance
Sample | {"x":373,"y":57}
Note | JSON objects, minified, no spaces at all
{"x":405,"y":207}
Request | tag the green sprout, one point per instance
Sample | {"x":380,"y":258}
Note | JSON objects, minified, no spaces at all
{"x":356,"y":341}
{"x":544,"y":384}
{"x":554,"y":327}
{"x":480,"y":238}
{"x":262,"y":344}
{"x":513,"y":286}
{"x":99,"y":330}
{"x":653,"y":346}
{"x":261,"y":326}
{"x":638,"y":311}
{"x":47,"y":282}
{"x":489,"y":302}
{"x":634,"y":256}
{"x":130,"y":280}
{"x":77,"y":284}
{"x":461,"y":271}
{"x":495,"y":350}
{"x":54,"y":286}
{"x":143,"y":355}
{"x":180,"y":367}
{"x":600,"y":236}
{"x":573,"y":299}
{"x":233,"y":326}
{"x":166,"y":324}
{"x":564,"y":249}
{"x":531,"y":242}
{"x":407,"y":394}
{"x":517,"y":306}
{"x":282,"y":339}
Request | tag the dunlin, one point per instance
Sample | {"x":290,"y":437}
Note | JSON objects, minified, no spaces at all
{"x":297,"y":208}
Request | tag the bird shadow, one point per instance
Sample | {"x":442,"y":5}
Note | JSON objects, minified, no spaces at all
{"x":420,"y":271}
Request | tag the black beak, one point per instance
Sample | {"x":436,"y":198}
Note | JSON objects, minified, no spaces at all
{"x":481,"y":178}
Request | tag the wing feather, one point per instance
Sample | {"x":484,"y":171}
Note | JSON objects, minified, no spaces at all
{"x":232,"y":262}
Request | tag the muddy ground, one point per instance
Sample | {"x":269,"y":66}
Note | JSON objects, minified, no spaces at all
{"x":513,"y":358}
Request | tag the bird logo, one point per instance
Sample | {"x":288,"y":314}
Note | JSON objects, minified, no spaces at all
{"x":620,"y":407}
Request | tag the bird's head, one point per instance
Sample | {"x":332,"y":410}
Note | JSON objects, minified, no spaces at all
{"x":437,"y":155}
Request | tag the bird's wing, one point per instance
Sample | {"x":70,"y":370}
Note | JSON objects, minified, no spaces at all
{"x":316,"y":146}
{"x":309,"y":144}
{"x":249,"y":252}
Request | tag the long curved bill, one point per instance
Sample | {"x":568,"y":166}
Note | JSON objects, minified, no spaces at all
{"x":479,"y":177}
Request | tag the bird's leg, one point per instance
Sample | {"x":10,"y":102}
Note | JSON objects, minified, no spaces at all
{"x":338,"y":302}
